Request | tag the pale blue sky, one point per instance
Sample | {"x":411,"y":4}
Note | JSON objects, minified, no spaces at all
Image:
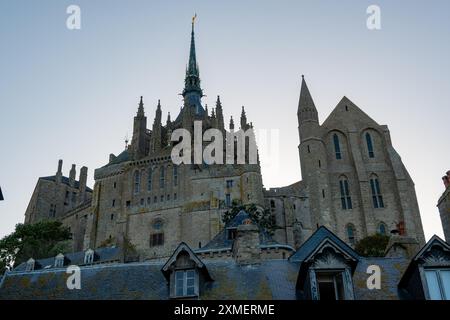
{"x":73,"y":94}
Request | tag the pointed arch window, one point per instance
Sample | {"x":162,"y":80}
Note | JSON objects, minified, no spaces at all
{"x":351,"y":234}
{"x":337,"y":147}
{"x":369,"y":145}
{"x":175,"y":175}
{"x":377,"y":197}
{"x":162,"y":177}
{"x":382,"y":228}
{"x":346,"y":200}
{"x":149,"y":179}
{"x":137,"y":181}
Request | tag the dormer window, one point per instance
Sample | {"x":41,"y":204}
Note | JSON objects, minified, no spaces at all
{"x":438,"y":283}
{"x":89,"y":256}
{"x":186,"y":284}
{"x":59,"y":261}
{"x":428,"y":274}
{"x":30,"y":265}
{"x":330,"y":285}
{"x":186,"y":274}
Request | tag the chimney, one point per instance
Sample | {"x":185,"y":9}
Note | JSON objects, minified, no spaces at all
{"x":72,"y":176}
{"x":246,"y":248}
{"x":59,"y":172}
{"x":82,"y":183}
{"x":401,"y":246}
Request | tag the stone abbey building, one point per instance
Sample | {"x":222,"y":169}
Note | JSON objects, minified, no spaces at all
{"x":353,"y":183}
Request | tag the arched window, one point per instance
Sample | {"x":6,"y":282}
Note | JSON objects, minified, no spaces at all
{"x":337,"y":147}
{"x":175,"y":175}
{"x":351,"y":234}
{"x":346,"y":200}
{"x":162,"y":177}
{"x":382,"y":228}
{"x":369,"y":145}
{"x":149,"y":179}
{"x":377,"y":198}
{"x":137,"y":181}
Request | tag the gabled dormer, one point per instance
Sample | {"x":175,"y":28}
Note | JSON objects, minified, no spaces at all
{"x":89,"y":256}
{"x":186,"y":273}
{"x":31,"y":265}
{"x":60,"y":261}
{"x":326,"y":267}
{"x":428,"y":274}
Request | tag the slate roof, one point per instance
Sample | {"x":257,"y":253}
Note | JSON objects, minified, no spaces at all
{"x":109,"y":281}
{"x":122,"y":157}
{"x":273,"y":279}
{"x":321,"y":234}
{"x":66,"y":181}
{"x":392,"y":270}
{"x":221,"y":241}
{"x":102,"y":255}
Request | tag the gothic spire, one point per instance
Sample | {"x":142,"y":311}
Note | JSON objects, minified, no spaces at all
{"x":192,"y":92}
{"x":158,"y":113}
{"x":306,"y":108}
{"x":140,"y":112}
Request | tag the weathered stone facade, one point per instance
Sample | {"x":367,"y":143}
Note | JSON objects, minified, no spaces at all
{"x":143,"y":196}
{"x":444,"y":206}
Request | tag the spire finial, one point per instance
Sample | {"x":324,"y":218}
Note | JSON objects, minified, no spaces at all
{"x":141,"y":107}
{"x":193,"y":21}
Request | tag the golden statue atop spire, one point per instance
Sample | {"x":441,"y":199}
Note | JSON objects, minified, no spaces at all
{"x":193,"y":19}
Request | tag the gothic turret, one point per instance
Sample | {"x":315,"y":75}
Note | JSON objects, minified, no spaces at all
{"x":243,"y":119}
{"x":157,"y":129}
{"x":308,"y":119}
{"x":313,"y":160}
{"x":139,"y":141}
{"x":219,"y":114}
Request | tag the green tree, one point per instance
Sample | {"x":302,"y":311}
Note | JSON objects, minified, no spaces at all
{"x":372,"y":246}
{"x":38,"y":240}
{"x":263,"y":218}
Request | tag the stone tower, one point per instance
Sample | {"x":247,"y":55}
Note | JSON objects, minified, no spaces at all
{"x":444,"y":206}
{"x":356,"y":182}
{"x":313,"y":160}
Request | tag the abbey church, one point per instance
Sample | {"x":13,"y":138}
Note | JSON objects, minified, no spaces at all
{"x":353,"y":183}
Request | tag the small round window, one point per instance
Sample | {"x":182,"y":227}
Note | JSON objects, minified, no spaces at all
{"x":157,"y":224}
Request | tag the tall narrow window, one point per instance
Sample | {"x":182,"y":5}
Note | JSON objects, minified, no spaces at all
{"x":137,"y":181}
{"x":351,"y":234}
{"x":175,"y":175}
{"x":228,"y":200}
{"x":156,"y":239}
{"x":162,"y":177}
{"x":369,"y":145}
{"x":185,"y":283}
{"x":377,"y":198}
{"x":346,"y":200}
{"x":337,"y":147}
{"x":149,"y":179}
